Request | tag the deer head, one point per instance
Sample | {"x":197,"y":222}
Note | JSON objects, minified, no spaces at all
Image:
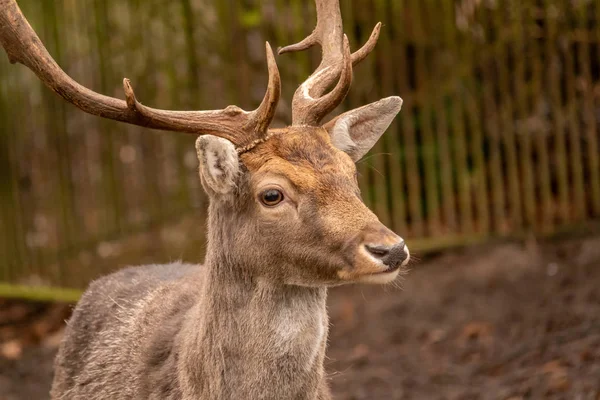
{"x":284,"y":203}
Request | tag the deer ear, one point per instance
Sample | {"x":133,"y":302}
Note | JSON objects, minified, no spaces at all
{"x":356,"y":131}
{"x":219,"y":164}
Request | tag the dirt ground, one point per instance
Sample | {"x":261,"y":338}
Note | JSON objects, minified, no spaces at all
{"x":509,"y":321}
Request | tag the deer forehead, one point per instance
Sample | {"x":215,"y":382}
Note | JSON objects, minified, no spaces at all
{"x":305,"y":156}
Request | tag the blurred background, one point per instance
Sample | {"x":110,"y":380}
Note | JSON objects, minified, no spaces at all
{"x":497,"y":145}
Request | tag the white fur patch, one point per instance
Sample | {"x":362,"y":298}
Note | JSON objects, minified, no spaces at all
{"x":340,"y":136}
{"x":295,"y":327}
{"x":219,"y":163}
{"x":407,"y":256}
{"x":288,"y":326}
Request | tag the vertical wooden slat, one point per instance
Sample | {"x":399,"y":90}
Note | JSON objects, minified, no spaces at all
{"x":354,"y":100}
{"x":91,"y":194}
{"x":154,"y":143}
{"x":36,"y":139}
{"x":283,"y":37}
{"x":78,"y":18}
{"x":64,"y":143}
{"x":192,"y":85}
{"x":594,"y":142}
{"x":23,"y":224}
{"x":9,"y":213}
{"x":462,"y":50}
{"x":428,"y":144}
{"x":519,"y":46}
{"x":396,"y":194}
{"x":302,"y":27}
{"x":553,"y":68}
{"x":56,"y":123}
{"x":496,"y":174}
{"x":6,"y":231}
{"x":225,"y":29}
{"x":544,"y":206}
{"x":136,"y":196}
{"x":590,"y":124}
{"x":506,"y":114}
{"x":379,"y":153}
{"x":151,"y":141}
{"x":473,"y":109}
{"x":238,"y":46}
{"x":112,"y":203}
{"x":73,"y":137}
{"x":402,"y":12}
{"x":571,"y":107}
{"x":442,"y":77}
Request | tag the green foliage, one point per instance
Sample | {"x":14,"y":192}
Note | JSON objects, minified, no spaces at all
{"x":251,"y":18}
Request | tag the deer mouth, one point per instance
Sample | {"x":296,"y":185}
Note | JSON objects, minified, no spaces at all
{"x":389,"y":270}
{"x":380,"y":277}
{"x":369,"y":267}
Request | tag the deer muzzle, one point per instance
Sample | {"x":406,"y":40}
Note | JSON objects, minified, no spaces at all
{"x":377,"y":254}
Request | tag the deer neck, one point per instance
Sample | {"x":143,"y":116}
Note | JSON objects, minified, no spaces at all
{"x":251,"y":338}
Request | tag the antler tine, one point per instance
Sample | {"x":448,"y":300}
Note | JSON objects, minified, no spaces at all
{"x":264,"y":114}
{"x":368,"y":47}
{"x":329,"y":34}
{"x":22,"y":45}
{"x":357,"y":56}
{"x":314,"y":110}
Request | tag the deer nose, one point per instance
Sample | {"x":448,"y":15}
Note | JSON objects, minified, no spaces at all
{"x":391,"y":256}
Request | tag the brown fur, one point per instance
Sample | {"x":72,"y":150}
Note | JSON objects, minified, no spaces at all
{"x":251,"y":323}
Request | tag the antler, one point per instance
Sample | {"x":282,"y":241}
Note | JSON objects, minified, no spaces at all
{"x":240,"y":127}
{"x":310,"y":105}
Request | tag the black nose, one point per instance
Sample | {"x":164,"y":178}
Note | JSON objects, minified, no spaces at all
{"x":389,"y":255}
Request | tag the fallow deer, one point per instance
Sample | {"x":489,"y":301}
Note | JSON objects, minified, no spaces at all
{"x":285,"y":222}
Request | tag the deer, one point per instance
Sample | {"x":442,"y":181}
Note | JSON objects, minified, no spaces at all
{"x":285,"y":223}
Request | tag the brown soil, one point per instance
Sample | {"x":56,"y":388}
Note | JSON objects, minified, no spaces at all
{"x":495,"y":322}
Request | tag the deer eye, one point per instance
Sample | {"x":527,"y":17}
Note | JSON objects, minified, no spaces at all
{"x":271,"y":197}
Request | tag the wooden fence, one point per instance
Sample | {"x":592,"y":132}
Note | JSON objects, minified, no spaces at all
{"x":498,"y":135}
